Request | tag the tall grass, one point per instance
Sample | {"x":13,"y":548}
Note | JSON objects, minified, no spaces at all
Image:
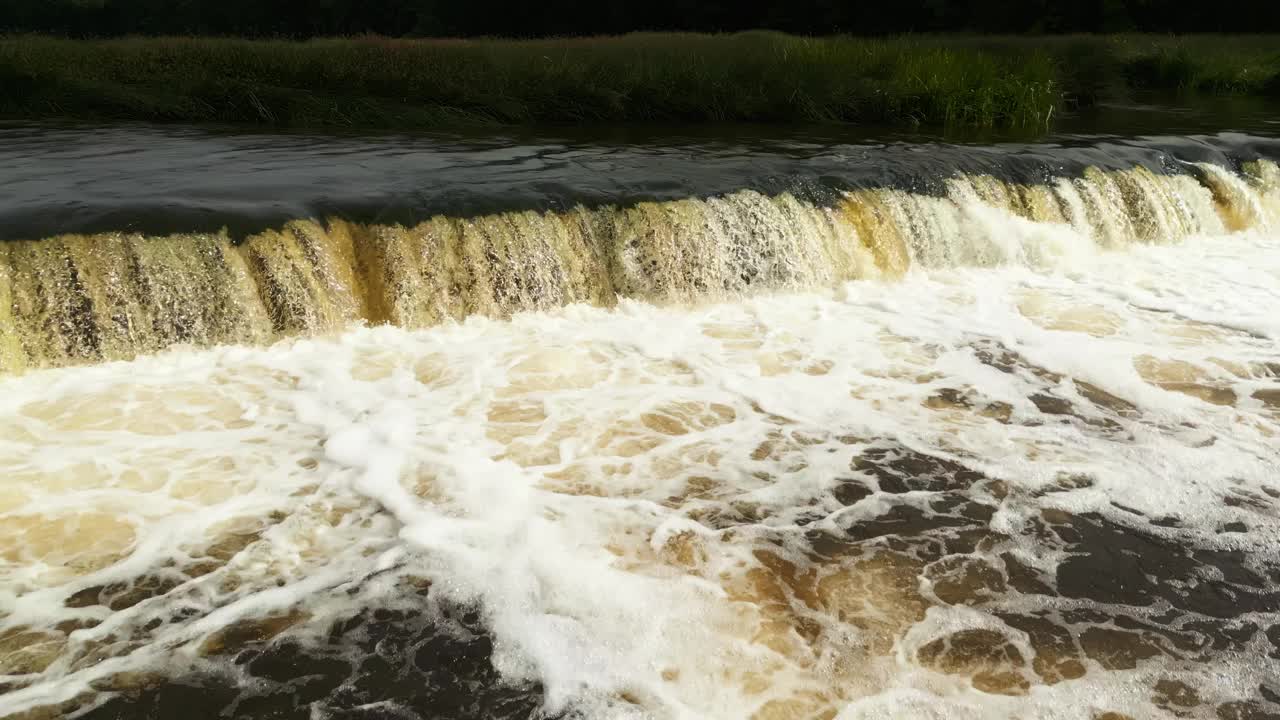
{"x":757,"y":76}
{"x":1216,"y":64}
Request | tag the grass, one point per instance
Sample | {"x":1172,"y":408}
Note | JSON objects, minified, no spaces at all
{"x":371,"y":82}
{"x":1219,"y":65}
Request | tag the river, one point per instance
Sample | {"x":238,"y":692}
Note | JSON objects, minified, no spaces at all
{"x":678,"y":424}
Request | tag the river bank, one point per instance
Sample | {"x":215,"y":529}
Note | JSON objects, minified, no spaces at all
{"x":381,"y":83}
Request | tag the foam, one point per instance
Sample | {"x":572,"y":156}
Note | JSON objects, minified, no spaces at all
{"x":631,"y":495}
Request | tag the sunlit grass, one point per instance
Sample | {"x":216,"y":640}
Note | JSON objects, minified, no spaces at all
{"x":757,"y":77}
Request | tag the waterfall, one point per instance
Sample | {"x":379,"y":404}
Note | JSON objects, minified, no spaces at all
{"x":85,"y":298}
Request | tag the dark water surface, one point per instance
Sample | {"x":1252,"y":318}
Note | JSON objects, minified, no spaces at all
{"x":162,"y":179}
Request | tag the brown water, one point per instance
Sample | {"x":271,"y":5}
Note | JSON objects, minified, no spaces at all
{"x":85,"y":297}
{"x":821,"y":432}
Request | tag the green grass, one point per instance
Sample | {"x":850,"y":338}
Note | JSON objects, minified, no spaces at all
{"x":369,"y":82}
{"x":1230,"y":65}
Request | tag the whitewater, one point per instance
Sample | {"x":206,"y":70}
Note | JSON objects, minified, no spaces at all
{"x":1009,"y":455}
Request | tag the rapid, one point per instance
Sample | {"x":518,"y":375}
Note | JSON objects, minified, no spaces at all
{"x":980,"y":445}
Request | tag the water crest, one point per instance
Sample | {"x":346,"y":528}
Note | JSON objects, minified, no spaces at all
{"x":74,"y":299}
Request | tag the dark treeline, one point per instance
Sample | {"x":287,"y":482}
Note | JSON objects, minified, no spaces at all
{"x":523,"y":18}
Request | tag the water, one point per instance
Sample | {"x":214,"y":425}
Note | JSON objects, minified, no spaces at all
{"x":602,"y":221}
{"x":161,"y":180}
{"x":704,"y":430}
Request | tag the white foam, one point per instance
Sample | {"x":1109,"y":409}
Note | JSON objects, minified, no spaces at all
{"x":536,"y":467}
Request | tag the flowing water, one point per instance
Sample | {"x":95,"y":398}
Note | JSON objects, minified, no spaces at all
{"x":422,"y":429}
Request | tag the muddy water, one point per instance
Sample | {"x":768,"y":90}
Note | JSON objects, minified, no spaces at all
{"x":81,"y":298}
{"x":1002,"y":449}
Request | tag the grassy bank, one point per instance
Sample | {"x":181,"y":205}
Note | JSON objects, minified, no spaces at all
{"x":760,"y":77}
